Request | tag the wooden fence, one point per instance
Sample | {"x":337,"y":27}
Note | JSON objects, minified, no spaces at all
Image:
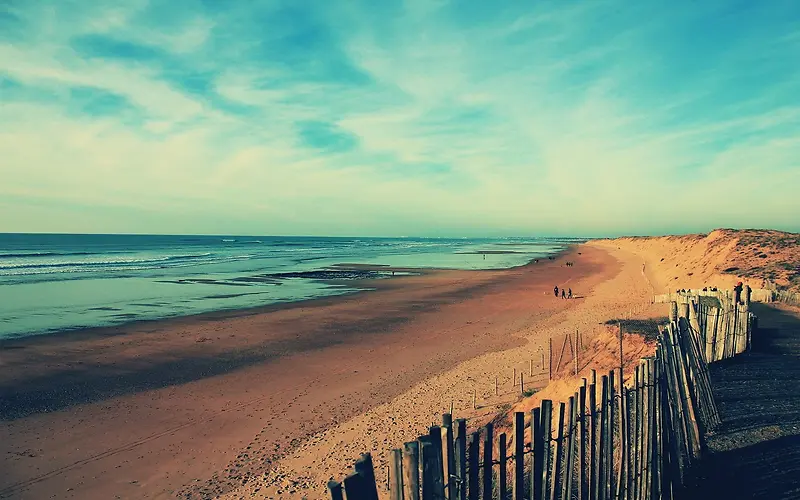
{"x":562,"y":356}
{"x":724,"y":328}
{"x":756,"y":295}
{"x":609,"y":441}
{"x":786,"y":297}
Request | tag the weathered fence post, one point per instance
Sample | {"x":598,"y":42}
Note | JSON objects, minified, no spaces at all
{"x":432,"y":487}
{"x":411,"y":471}
{"x":566,"y":491}
{"x":503,"y":473}
{"x":602,"y":459}
{"x":593,"y":438}
{"x":448,"y":458}
{"x":396,"y":475}
{"x":537,"y":447}
{"x":519,"y":455}
{"x":335,"y":490}
{"x":546,"y":436}
{"x":583,"y":482}
{"x":557,"y":467}
{"x":488,"y":445}
{"x":461,"y":458}
{"x":361,"y":484}
{"x":474,"y":461}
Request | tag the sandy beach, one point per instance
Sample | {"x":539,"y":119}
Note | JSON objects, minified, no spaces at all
{"x":275,"y":401}
{"x":202,"y":405}
{"x":611,"y":290}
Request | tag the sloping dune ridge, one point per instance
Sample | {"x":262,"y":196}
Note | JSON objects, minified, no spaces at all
{"x":760,"y":258}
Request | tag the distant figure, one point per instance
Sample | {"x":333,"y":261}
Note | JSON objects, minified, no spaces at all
{"x":737,"y":290}
{"x":563,"y":295}
{"x":569,"y":293}
{"x":555,"y":291}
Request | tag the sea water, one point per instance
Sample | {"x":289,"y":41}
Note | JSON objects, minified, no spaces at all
{"x":56,"y":282}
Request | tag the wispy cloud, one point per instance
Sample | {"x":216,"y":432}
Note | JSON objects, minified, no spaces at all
{"x":431,"y":117}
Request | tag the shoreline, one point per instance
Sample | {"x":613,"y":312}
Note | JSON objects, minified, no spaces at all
{"x":358,"y":286}
{"x":273,"y":367}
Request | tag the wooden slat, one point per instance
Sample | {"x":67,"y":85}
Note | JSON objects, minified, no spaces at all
{"x":363,"y":467}
{"x":448,"y":457}
{"x":396,"y":474}
{"x":355,"y":486}
{"x":594,"y":463}
{"x":626,"y":492}
{"x":583,"y":481}
{"x":602,"y":459}
{"x":473,"y":487}
{"x":432,"y":487}
{"x":503,"y":476}
{"x":611,"y":472}
{"x":546,"y":436}
{"x":436,"y":439}
{"x":519,"y":456}
{"x":488,"y":446}
{"x":411,"y":471}
{"x":651,"y":443}
{"x":569,"y":462}
{"x":559,"y":463}
{"x":461,"y":458}
{"x":537,"y":445}
{"x":664,"y":452}
{"x":636,"y":487}
{"x":335,"y":490}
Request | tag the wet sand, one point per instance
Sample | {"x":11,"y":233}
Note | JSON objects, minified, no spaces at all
{"x":198,"y":406}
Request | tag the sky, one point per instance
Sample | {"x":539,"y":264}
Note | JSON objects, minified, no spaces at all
{"x":399,"y":118}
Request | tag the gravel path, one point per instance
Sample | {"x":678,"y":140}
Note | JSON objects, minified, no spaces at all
{"x":756,"y":451}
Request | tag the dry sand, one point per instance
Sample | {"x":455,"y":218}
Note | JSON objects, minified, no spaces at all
{"x":200,"y":405}
{"x":330,"y":454}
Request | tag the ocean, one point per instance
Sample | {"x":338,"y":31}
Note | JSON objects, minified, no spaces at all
{"x":56,"y":282}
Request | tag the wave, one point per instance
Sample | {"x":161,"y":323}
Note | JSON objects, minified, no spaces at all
{"x":40,"y":254}
{"x":100,"y":262}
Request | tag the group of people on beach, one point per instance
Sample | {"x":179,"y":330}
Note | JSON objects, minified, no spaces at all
{"x":565,"y":294}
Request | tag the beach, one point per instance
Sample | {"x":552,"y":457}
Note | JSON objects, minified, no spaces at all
{"x":614,"y":286}
{"x":200,"y":405}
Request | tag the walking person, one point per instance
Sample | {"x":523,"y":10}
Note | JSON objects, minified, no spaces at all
{"x":563,"y":294}
{"x":555,"y":291}
{"x":569,"y":293}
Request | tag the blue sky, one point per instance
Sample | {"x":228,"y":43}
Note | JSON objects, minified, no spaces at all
{"x":412,"y":117}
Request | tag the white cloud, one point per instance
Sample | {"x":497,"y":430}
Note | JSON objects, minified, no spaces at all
{"x":512,"y":123}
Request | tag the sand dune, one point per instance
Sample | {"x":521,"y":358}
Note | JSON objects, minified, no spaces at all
{"x":760,"y":258}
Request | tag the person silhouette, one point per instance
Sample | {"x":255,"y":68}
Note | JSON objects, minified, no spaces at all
{"x":569,"y":293}
{"x":555,"y":291}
